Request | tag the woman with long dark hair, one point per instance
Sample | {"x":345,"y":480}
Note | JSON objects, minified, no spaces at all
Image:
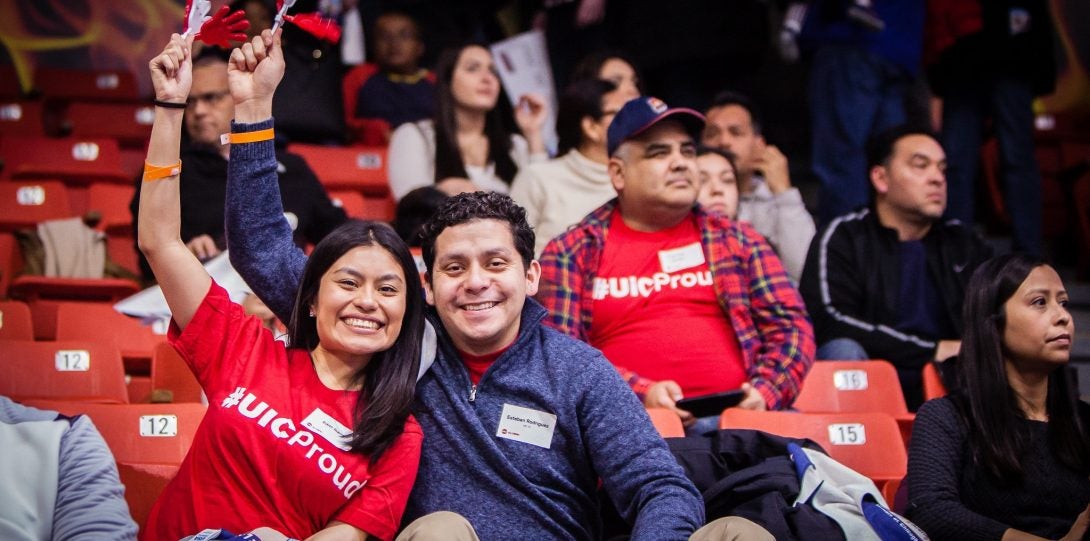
{"x":313,"y":440}
{"x":1007,"y":454}
{"x":613,"y":66}
{"x":469,"y":145}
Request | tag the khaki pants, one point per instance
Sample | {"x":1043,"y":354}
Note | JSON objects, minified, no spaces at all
{"x":447,"y":526}
{"x":439,"y":526}
{"x":732,"y":529}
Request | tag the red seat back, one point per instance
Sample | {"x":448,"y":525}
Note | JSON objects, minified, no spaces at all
{"x":843,"y":386}
{"x":21,"y":117}
{"x":129,"y":123}
{"x":99,"y":321}
{"x":666,"y":422}
{"x":362,"y":169}
{"x":64,"y":370}
{"x":869,"y":443}
{"x":932,"y":382}
{"x":15,"y":321}
{"x":25,"y":203}
{"x":77,"y":84}
{"x":169,"y":372}
{"x":148,"y":441}
{"x":76,"y":161}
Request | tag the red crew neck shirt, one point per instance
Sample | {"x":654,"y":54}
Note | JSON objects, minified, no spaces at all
{"x":477,"y":365}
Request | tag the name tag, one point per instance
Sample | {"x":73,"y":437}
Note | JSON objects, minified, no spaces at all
{"x":681,"y":258}
{"x":324,"y":425}
{"x":526,"y":425}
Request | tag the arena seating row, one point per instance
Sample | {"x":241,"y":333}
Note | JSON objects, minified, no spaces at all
{"x":855,"y":410}
{"x":148,"y":441}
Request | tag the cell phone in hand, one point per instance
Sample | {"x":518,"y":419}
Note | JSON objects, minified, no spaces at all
{"x":711,"y":404}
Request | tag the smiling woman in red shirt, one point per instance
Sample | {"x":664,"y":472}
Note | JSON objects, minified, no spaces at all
{"x":313,"y":440}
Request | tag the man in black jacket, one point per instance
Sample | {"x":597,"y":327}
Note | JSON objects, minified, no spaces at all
{"x":208,"y":114}
{"x":887,"y":282}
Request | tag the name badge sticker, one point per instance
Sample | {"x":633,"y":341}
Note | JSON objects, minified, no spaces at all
{"x":526,"y":425}
{"x":324,"y":425}
{"x":682,"y":258}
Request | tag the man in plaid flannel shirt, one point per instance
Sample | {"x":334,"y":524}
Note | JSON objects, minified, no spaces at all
{"x":693,"y":304}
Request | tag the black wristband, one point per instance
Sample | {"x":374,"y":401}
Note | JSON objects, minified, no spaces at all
{"x":169,"y":104}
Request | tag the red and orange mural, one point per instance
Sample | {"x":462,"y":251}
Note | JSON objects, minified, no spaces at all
{"x":94,"y":33}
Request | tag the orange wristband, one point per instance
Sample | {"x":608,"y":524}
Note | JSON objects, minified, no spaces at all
{"x":247,"y":137}
{"x":155,"y":172}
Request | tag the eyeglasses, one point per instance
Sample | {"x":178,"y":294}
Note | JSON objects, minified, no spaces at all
{"x":211,"y":98}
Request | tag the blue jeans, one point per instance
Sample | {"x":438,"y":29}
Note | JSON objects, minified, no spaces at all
{"x":841,"y":349}
{"x":703,"y":425}
{"x":1009,"y":103}
{"x":853,"y":93}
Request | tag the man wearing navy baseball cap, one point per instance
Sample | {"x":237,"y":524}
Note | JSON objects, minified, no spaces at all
{"x":682,"y":302}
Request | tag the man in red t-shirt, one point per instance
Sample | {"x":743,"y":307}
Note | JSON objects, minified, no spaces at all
{"x":683,"y":303}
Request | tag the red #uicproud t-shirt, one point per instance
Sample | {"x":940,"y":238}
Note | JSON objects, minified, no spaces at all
{"x":656,"y":313}
{"x":267,"y":452}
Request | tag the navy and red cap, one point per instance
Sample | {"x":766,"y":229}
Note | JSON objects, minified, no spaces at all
{"x":641,"y":113}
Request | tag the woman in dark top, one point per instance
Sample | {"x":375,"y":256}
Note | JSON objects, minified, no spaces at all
{"x":1007,"y":454}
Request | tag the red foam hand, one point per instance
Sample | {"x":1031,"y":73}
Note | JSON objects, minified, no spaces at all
{"x":317,"y":26}
{"x":224,"y":27}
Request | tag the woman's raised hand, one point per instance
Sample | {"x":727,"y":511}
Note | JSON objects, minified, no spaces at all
{"x":254,"y":71}
{"x":530,"y":115}
{"x":172,"y":70}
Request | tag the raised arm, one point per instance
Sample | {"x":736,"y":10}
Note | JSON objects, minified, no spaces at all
{"x":181,"y":276}
{"x":258,"y":237}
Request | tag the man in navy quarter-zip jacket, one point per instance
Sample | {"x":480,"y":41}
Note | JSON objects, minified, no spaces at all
{"x":522,"y":424}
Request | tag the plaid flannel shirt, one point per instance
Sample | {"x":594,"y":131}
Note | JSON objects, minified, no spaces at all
{"x":764,"y":307}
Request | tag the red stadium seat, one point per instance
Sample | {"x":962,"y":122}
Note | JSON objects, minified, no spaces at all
{"x":362,"y":169}
{"x":76,"y":161}
{"x":11,"y":262}
{"x":132,"y":161}
{"x":85,"y":371}
{"x":855,"y":386}
{"x":15,"y":321}
{"x":869,"y":443}
{"x":112,"y":202}
{"x":25,"y":203}
{"x":45,"y":294}
{"x":666,"y":422}
{"x":351,"y":201}
{"x":380,"y":208}
{"x":932,"y":382}
{"x":170,"y":373}
{"x":21,"y":118}
{"x":92,"y":85}
{"x":128,"y":123}
{"x":148,"y":441}
{"x":99,"y":321}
